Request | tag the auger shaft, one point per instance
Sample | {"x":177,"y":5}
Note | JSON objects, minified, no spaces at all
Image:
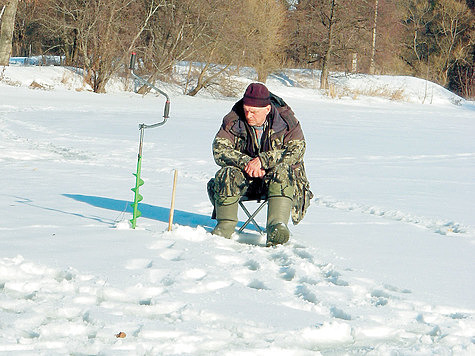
{"x":138,"y":182}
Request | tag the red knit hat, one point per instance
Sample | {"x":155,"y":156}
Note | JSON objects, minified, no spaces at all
{"x":256,"y":95}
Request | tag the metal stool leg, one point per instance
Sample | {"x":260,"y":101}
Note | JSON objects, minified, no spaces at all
{"x":252,"y":216}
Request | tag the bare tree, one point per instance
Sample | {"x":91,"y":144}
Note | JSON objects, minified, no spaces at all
{"x":345,"y":25}
{"x":262,"y":26}
{"x":100,"y":34}
{"x":373,"y":42}
{"x":329,"y":21}
{"x":220,"y":46}
{"x":417,"y":17}
{"x":173,"y":33}
{"x":202,"y":32}
{"x":327,"y":31}
{"x":386,"y":40}
{"x":439,"y":40}
{"x":6,"y":30}
{"x":453,"y":35}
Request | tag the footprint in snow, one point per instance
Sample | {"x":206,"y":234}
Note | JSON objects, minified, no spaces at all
{"x":202,"y":288}
{"x":300,"y":252}
{"x":171,"y":255}
{"x":459,"y":316}
{"x":380,"y":298}
{"x":138,"y":263}
{"x":162,"y":244}
{"x":229,"y":259}
{"x":287,"y":273}
{"x":252,"y":265}
{"x":339,"y":314}
{"x":333,"y":276}
{"x":396,"y":289}
{"x":256,"y":284}
{"x":156,"y":275}
{"x":195,"y":274}
{"x":281,"y":258}
{"x":310,"y":279}
{"x":306,"y":294}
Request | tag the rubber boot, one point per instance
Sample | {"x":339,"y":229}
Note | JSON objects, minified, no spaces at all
{"x":278,"y":213}
{"x":227,"y":219}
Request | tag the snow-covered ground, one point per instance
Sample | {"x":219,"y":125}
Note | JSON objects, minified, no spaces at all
{"x":383,"y":264}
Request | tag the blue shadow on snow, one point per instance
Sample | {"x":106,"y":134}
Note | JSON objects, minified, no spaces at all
{"x":150,"y":211}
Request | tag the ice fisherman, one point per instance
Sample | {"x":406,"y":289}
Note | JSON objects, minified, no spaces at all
{"x":260,"y":147}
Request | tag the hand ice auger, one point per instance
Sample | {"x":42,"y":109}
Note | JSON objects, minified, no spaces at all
{"x":138,"y":181}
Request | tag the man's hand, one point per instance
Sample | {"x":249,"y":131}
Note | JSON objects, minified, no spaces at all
{"x":254,"y":168}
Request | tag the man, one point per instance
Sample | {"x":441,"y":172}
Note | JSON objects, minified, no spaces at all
{"x":260,"y":148}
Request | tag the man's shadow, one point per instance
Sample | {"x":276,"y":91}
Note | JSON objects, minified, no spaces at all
{"x":152,"y":212}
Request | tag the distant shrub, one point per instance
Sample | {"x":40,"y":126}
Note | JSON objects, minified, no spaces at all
{"x":397,"y":94}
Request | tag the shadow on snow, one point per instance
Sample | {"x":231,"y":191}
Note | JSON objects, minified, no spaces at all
{"x":151,"y":212}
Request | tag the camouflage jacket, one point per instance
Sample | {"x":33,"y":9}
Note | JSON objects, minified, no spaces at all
{"x":282,"y":141}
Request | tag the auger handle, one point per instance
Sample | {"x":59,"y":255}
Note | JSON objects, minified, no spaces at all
{"x":132,"y":61}
{"x":166,"y":110}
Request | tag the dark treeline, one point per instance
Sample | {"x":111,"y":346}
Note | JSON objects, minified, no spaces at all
{"x":430,"y":39}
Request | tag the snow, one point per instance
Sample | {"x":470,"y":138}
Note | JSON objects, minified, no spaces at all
{"x":381,"y":265}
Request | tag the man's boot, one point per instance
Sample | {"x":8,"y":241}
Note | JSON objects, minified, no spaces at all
{"x":227,"y":219}
{"x":278,"y":213}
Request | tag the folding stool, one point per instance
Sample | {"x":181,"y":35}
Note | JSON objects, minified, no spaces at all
{"x":262,"y":201}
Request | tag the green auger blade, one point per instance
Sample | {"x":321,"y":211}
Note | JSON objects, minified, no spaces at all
{"x":139,"y":181}
{"x":138,"y":212}
{"x":138,"y":196}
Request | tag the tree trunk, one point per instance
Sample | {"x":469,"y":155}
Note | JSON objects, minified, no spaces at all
{"x":328,"y":52}
{"x":204,"y":81}
{"x":262,"y":75}
{"x":373,"y":44}
{"x":200,"y":82}
{"x":6,"y":31}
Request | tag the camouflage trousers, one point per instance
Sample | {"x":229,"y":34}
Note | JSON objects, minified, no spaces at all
{"x":231,"y":183}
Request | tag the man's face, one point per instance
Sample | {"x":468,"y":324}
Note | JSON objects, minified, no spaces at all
{"x":256,"y":116}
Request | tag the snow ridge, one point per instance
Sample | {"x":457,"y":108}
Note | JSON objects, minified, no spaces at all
{"x":441,"y":226}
